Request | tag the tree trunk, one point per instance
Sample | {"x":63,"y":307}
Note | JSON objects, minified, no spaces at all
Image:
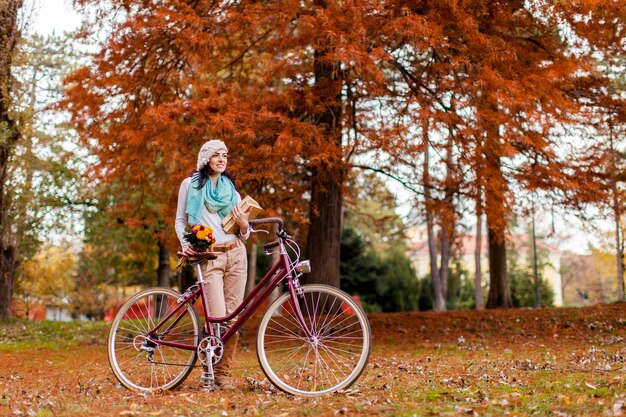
{"x":438,"y":291}
{"x":499,"y":287}
{"x":448,"y":221}
{"x":9,"y":265}
{"x":324,"y":234}
{"x":186,"y":278}
{"x":251,"y":268}
{"x":9,"y":135}
{"x":619,"y":259}
{"x":617,"y":215}
{"x":495,"y":210}
{"x":439,"y":295}
{"x":535,"y":261}
{"x":444,"y":266}
{"x":478,"y":282}
{"x":163,"y":269}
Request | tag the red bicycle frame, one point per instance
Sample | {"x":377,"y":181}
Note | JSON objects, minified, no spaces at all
{"x":248,"y":306}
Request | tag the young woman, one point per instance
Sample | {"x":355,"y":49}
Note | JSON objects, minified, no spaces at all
{"x":206,"y":197}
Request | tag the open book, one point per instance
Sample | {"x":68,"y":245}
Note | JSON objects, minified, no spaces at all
{"x":246,"y":203}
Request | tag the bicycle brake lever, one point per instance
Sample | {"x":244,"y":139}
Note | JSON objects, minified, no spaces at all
{"x":252,"y":230}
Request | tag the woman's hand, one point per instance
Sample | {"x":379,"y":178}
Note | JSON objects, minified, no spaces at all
{"x":241,"y":218}
{"x":188,"y":250}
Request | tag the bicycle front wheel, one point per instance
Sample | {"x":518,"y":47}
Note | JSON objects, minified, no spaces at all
{"x":328,"y":357}
{"x":140,"y":364}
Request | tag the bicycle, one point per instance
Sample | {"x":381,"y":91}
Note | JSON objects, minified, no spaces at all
{"x":312,"y":340}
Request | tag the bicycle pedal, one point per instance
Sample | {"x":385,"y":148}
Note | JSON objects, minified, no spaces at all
{"x":208,"y":381}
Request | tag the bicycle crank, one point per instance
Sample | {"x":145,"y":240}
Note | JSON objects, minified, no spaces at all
{"x":210,"y":352}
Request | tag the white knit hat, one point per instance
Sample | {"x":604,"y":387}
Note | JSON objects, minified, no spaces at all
{"x":207,"y":151}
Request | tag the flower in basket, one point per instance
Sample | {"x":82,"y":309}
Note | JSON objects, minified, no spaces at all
{"x":200,"y":237}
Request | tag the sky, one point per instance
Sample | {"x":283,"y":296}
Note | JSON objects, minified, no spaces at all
{"x":54,"y":16}
{"x":60,"y":16}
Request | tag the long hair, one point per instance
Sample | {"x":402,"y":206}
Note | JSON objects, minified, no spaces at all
{"x":202,"y":176}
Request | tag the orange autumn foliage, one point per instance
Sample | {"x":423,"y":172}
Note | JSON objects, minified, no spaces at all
{"x":302,"y":91}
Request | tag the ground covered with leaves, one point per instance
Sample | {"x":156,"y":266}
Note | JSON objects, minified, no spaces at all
{"x":556,"y":362}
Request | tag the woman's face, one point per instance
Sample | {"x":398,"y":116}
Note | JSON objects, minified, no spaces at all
{"x":218,"y":160}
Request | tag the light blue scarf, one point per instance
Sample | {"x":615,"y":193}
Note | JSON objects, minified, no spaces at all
{"x":220,"y":199}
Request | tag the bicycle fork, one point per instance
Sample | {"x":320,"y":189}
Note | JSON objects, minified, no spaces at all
{"x":298,"y":294}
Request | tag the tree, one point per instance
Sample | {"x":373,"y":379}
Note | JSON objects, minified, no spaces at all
{"x":9,"y":137}
{"x":373,"y":262}
{"x":460,"y":287}
{"x":48,"y":276}
{"x":241,"y":71}
{"x":507,"y":81}
{"x":523,"y":281}
{"x":398,"y":287}
{"x":44,"y":171}
{"x":616,"y":206}
{"x":361,"y":269}
{"x":589,"y":278}
{"x":112,"y":253}
{"x":478,"y":279}
{"x":41,"y":172}
{"x":317,"y":87}
{"x":610,"y":118}
{"x":384,"y":282}
{"x":370,"y":208}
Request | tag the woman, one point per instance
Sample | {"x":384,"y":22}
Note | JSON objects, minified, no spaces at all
{"x":206,"y":197}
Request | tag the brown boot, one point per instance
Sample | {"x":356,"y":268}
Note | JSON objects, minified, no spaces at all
{"x":222,"y":369}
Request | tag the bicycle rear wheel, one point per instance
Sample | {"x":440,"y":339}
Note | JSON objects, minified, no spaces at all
{"x":143,"y":365}
{"x":332,"y":359}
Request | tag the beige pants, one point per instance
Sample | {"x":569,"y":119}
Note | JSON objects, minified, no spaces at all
{"x":226,"y":281}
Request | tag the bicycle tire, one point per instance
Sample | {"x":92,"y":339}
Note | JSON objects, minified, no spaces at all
{"x":136,"y":318}
{"x":300,"y":365}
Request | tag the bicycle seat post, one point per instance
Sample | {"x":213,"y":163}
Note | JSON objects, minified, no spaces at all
{"x":200,"y":278}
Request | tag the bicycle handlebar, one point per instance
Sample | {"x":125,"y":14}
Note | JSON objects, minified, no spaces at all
{"x":271,"y":245}
{"x":267,"y":220}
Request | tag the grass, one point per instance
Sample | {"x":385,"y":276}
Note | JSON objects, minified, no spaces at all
{"x":21,"y":334}
{"x":552,"y":362}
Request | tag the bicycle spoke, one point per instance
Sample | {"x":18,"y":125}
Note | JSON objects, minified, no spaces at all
{"x":327,"y":315}
{"x":285,"y":358}
{"x":137,"y":328}
{"x":306,"y":358}
{"x":344,"y":341}
{"x":165,"y":368}
{"x":134,"y":357}
{"x":334,"y":357}
{"x":282,"y":357}
{"x":295,"y":322}
{"x":324,"y":364}
{"x":336,"y":352}
{"x":283,"y":339}
{"x":287,"y":331}
{"x":129,"y":349}
{"x":344,"y":318}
